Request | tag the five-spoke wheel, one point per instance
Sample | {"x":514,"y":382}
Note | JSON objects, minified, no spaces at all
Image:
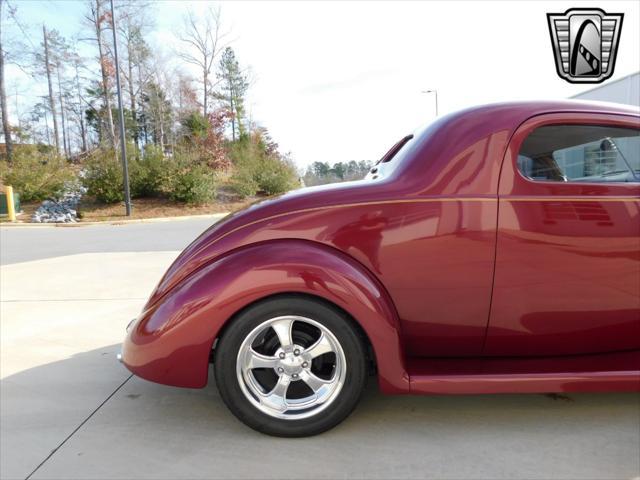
{"x":291,"y":367}
{"x":283,"y":361}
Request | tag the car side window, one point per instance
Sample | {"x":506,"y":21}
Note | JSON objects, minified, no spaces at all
{"x":581,"y":153}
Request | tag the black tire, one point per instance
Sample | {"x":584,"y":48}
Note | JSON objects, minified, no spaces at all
{"x":228,"y":346}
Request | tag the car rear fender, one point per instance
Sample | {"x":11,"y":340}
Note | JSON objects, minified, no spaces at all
{"x":171,"y":342}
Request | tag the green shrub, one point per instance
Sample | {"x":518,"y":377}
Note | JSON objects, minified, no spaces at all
{"x":36,"y":176}
{"x":243,"y":184}
{"x":196,"y":126}
{"x":103,"y":177}
{"x":275,"y":176}
{"x":190,"y":182}
{"x":149,"y":174}
{"x":257,"y":169}
{"x":181,"y":178}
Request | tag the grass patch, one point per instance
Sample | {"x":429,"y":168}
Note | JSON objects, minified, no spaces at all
{"x":93,"y":211}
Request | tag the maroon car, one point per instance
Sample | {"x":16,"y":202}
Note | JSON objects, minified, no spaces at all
{"x":498,"y":250}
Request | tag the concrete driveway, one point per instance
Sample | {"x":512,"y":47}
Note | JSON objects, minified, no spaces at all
{"x":69,"y":410}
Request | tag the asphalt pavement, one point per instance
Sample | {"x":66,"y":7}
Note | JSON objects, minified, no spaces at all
{"x":69,"y":410}
{"x":23,"y":243}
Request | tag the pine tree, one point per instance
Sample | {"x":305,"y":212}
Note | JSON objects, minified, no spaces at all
{"x":234,"y":85}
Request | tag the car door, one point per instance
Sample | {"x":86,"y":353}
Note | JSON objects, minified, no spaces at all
{"x":567,"y":272}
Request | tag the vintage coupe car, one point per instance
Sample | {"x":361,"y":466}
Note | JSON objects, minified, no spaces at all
{"x":497,"y":250}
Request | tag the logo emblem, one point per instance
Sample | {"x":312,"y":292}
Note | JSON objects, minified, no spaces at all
{"x":585,"y":43}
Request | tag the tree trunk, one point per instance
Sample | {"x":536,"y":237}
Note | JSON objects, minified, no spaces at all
{"x":6,"y":128}
{"x":52,"y":103}
{"x":132,"y":96}
{"x":205,"y":79}
{"x":161,"y":128}
{"x":105,"y":78}
{"x":142,"y":107}
{"x":65,"y":143}
{"x":83,"y":132}
{"x":46,"y":127}
{"x":233,"y":115}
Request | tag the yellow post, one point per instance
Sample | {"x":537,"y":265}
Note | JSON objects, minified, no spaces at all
{"x":10,"y":205}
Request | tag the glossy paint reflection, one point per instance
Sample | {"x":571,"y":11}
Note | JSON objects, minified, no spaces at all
{"x":568,"y":261}
{"x":453,"y":255}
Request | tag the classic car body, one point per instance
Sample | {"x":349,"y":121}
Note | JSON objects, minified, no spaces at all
{"x":463,"y":275}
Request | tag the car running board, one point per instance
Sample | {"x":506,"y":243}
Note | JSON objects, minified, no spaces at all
{"x":619,"y":372}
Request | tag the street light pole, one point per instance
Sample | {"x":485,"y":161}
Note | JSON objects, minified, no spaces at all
{"x":123,"y":140}
{"x":436,"y":94}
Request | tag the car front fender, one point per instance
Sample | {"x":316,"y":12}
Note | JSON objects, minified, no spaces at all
{"x":171,"y":342}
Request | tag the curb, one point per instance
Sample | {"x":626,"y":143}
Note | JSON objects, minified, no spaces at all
{"x":113,"y":222}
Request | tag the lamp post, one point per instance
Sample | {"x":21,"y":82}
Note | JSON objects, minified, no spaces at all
{"x":434,"y":91}
{"x":123,"y":140}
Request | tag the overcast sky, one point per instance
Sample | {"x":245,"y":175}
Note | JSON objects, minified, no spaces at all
{"x":340,"y":81}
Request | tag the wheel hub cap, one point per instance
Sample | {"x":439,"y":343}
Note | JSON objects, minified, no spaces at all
{"x":314,"y":359}
{"x":291,"y":364}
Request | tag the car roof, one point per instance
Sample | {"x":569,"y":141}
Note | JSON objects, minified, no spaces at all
{"x":452,"y":134}
{"x":537,"y":107}
{"x":479,"y":120}
{"x":509,"y":115}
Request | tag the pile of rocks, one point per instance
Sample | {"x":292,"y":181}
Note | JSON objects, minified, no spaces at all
{"x":62,"y":211}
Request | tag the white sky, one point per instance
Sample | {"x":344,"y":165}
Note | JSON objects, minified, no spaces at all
{"x":340,"y":81}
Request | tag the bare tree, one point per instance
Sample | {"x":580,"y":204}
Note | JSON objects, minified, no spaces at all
{"x":132,"y":26}
{"x":52,"y":103}
{"x":96,"y":17}
{"x":186,"y":96}
{"x":158,"y":100}
{"x":6,"y":128}
{"x":78,"y":107}
{"x":204,"y":37}
{"x":61,"y":96}
{"x":39,"y":111}
{"x":58,"y":55}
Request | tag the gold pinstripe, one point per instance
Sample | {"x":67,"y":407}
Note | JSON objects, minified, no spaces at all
{"x":436,"y":199}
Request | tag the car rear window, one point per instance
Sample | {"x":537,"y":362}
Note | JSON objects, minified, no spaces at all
{"x":390,"y":160}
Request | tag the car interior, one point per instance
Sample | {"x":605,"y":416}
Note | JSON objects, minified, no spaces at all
{"x":581,"y":153}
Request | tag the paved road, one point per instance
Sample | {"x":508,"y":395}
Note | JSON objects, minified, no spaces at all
{"x":20,"y":244}
{"x":69,"y":410}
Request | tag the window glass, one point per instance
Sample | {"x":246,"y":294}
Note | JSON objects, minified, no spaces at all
{"x":581,"y":153}
{"x":390,"y":161}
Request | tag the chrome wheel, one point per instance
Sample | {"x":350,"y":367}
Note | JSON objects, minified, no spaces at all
{"x":291,"y":367}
